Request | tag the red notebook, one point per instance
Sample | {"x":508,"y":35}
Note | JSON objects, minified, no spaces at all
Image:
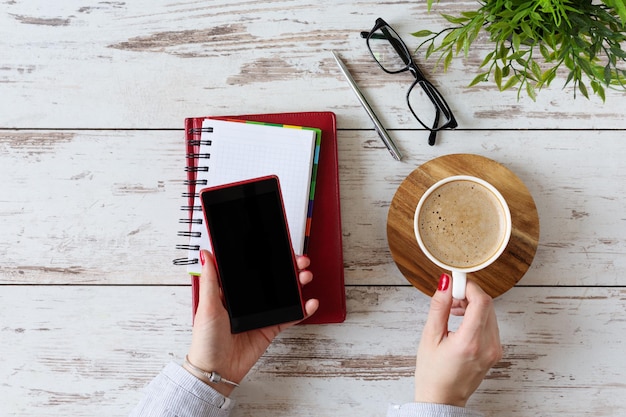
{"x":325,"y":241}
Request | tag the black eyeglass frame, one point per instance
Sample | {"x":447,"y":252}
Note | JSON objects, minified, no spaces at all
{"x":440,"y":104}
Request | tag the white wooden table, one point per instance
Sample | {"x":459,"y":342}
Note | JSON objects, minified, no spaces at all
{"x":92,"y":101}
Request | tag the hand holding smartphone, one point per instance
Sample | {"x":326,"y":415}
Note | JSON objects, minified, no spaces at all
{"x":253,"y":253}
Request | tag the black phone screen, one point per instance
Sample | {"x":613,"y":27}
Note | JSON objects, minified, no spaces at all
{"x":253,"y":253}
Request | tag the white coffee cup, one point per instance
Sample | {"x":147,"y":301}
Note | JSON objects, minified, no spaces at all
{"x":462,"y":224}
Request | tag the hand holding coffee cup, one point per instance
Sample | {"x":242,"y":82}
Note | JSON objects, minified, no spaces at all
{"x":462,"y":224}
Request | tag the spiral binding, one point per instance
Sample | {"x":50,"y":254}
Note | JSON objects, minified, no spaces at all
{"x":189,"y":234}
{"x":190,"y":221}
{"x":195,"y":182}
{"x":196,"y":169}
{"x":190,"y":208}
{"x":196,"y":142}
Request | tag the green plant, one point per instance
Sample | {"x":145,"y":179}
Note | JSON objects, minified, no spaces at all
{"x":533,"y":39}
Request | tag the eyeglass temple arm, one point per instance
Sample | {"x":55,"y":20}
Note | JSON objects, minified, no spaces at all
{"x":397,"y":44}
{"x":432,"y":137}
{"x":439,"y":105}
{"x":365,"y":34}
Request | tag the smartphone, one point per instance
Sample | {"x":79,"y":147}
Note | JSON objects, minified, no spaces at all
{"x":253,"y":254}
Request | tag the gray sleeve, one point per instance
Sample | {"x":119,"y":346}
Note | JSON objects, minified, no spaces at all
{"x":429,"y":410}
{"x":177,"y":393}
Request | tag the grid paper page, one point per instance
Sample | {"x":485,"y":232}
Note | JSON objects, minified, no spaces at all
{"x":241,"y":151}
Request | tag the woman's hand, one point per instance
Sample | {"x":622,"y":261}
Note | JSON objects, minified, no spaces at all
{"x":451,"y":365}
{"x":214,"y":347}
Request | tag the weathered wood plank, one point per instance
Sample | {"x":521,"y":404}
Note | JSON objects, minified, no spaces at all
{"x":100,"y":207}
{"x":77,"y":206}
{"x":87,"y":351}
{"x":82,"y":207}
{"x":146,"y":64}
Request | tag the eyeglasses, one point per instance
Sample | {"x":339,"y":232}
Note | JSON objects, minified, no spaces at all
{"x":394,"y":57}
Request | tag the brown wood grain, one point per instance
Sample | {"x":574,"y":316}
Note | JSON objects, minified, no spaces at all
{"x":510,"y":267}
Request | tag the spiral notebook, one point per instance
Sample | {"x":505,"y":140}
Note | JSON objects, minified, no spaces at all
{"x":323,"y":220}
{"x":236,"y":150}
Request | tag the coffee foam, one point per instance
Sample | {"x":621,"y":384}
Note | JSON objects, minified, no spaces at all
{"x":462,"y":224}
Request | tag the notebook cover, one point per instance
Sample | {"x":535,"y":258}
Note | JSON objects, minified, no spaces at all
{"x":325,"y":245}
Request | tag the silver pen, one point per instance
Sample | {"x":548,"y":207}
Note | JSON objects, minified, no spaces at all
{"x":378,"y":126}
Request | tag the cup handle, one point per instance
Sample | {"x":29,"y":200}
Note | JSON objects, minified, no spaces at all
{"x":459,"y":281}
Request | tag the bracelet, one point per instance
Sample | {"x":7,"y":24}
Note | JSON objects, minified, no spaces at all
{"x":212,"y":376}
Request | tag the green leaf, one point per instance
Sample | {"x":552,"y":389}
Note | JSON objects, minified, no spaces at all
{"x":600,"y":93}
{"x":521,"y":15}
{"x":502,"y":52}
{"x":518,"y":55}
{"x":585,"y":66}
{"x":479,"y":78}
{"x":528,"y":75}
{"x":454,"y":19}
{"x":570,"y":76}
{"x":535,"y":68}
{"x":617,"y":51}
{"x":510,"y":82}
{"x":522,"y":62}
{"x":478,"y":25}
{"x":469,"y":15}
{"x":430,"y":50}
{"x":466,"y":46}
{"x":487,"y":59}
{"x":446,"y":61}
{"x":583,"y":89}
{"x":497,"y":76}
{"x":459,"y":43}
{"x":536,"y":17}
{"x":544,"y":52}
{"x":516,"y":41}
{"x":607,"y":74}
{"x":531,"y":91}
{"x":422,"y":33}
{"x":594,"y":86}
{"x":548,"y":76}
{"x":450,"y":38}
{"x":621,"y":10}
{"x":527,"y":30}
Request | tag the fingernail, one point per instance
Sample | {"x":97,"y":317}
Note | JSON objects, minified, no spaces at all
{"x":444,"y":282}
{"x":202,"y":258}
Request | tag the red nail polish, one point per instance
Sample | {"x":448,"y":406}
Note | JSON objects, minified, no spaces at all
{"x":444,"y":282}
{"x":202,"y":258}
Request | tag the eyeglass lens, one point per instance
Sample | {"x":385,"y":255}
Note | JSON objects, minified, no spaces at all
{"x":428,"y":106}
{"x":389,"y":50}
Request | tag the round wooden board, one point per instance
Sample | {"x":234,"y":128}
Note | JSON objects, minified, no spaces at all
{"x":500,"y":276}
